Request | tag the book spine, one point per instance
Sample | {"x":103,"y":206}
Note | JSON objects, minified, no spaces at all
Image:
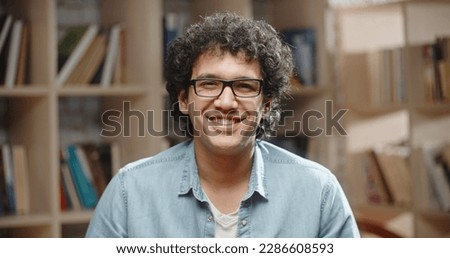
{"x":85,"y":189}
{"x":111,"y":56}
{"x":13,"y":55}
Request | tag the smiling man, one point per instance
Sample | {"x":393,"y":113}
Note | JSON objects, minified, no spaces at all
{"x":226,"y":77}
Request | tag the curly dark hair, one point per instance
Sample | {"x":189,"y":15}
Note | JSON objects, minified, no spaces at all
{"x":234,"y":34}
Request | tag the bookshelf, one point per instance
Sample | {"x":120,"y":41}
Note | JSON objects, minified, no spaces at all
{"x":37,"y":111}
{"x":381,"y":80}
{"x":35,"y":117}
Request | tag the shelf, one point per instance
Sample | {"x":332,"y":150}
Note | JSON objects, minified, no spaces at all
{"x":73,"y":217}
{"x":394,"y":219}
{"x":387,"y":82}
{"x":34,"y":91}
{"x":435,"y":108}
{"x":375,"y":110}
{"x":9,"y":221}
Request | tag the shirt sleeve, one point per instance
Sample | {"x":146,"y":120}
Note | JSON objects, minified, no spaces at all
{"x":337,"y":219}
{"x":110,"y":215}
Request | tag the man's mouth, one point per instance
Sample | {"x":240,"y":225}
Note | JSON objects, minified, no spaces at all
{"x":224,"y":121}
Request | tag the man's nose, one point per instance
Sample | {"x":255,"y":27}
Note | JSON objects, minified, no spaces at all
{"x":226,"y":100}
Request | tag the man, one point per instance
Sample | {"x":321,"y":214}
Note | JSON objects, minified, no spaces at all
{"x":227,"y":74}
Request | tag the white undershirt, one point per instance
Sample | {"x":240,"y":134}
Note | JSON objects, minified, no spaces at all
{"x":226,"y":224}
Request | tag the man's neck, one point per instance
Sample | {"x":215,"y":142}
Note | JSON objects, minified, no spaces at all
{"x":224,"y":169}
{"x":224,"y":178}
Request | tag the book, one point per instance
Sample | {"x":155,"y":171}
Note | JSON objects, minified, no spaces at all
{"x":115,"y":158}
{"x":21,"y":180}
{"x":111,"y":55}
{"x":303,"y":44}
{"x":437,"y":70}
{"x":3,"y":196}
{"x":120,"y":75}
{"x":63,"y":196}
{"x":82,"y":181}
{"x":395,"y":170}
{"x":23,"y":56}
{"x":428,"y":73}
{"x":77,"y":53}
{"x":443,"y":66}
{"x":13,"y":55}
{"x":377,"y":190}
{"x":99,"y":158}
{"x":8,"y":168}
{"x":435,"y":169}
{"x":73,"y":201}
{"x":5,"y":29}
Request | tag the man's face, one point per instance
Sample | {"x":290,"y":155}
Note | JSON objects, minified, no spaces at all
{"x":225,"y":124}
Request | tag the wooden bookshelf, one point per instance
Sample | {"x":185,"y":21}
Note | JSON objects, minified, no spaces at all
{"x":35,"y":114}
{"x":366,"y":36}
{"x":34,"y":108}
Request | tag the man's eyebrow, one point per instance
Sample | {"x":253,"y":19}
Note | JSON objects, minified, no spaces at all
{"x":213,"y":76}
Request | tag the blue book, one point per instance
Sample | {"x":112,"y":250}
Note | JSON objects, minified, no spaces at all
{"x":303,"y":44}
{"x":83,"y":184}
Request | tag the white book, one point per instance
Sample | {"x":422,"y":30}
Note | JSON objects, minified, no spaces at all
{"x":84,"y":163}
{"x":111,"y":55}
{"x":77,"y":54}
{"x":13,"y":55}
{"x":4,"y":32}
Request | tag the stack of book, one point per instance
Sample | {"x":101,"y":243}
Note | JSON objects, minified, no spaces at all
{"x":436,"y":159}
{"x":86,"y":169}
{"x":437,"y":70}
{"x":388,"y":176}
{"x":89,"y":55}
{"x":14,"y":48}
{"x":387,"y":76}
{"x":14,"y":182}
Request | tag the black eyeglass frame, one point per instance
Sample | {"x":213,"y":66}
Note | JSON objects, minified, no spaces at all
{"x":226,"y":83}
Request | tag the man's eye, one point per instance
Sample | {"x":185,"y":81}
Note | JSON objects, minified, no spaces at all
{"x":245,"y":86}
{"x":209,"y":83}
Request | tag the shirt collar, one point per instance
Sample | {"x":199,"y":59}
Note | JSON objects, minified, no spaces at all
{"x":190,"y":180}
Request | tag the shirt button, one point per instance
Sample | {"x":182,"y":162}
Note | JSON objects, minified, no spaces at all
{"x":244,"y":223}
{"x":210,"y":218}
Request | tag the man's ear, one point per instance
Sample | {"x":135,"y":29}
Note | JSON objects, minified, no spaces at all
{"x":182,"y":102}
{"x":267,"y":105}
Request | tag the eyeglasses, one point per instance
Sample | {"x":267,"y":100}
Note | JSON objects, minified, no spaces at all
{"x":210,"y":87}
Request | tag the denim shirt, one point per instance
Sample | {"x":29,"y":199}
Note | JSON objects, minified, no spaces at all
{"x":161,"y":196}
